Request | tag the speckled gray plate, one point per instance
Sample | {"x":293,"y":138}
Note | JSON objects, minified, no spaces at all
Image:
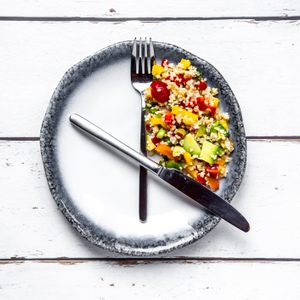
{"x":96,"y":189}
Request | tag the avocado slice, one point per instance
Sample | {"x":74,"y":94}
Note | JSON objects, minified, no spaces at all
{"x":218,"y":127}
{"x":220,"y":151}
{"x":190,"y":145}
{"x":201,"y":131}
{"x":209,"y":152}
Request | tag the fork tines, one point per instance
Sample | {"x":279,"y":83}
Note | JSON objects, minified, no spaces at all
{"x":142,"y":56}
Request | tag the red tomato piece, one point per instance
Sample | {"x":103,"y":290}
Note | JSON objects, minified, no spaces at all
{"x":155,"y":140}
{"x":164,"y":62}
{"x":186,"y":79}
{"x":159,"y":91}
{"x":213,"y":170}
{"x":212,"y":110}
{"x":201,"y":179}
{"x":202,"y":85}
{"x":201,"y":103}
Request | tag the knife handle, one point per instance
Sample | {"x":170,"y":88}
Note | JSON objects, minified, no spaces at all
{"x":105,"y":137}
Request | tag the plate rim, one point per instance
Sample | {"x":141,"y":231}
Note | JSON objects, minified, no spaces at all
{"x":47,"y":139}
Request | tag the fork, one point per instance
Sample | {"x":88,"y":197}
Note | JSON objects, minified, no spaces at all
{"x":142,"y":60}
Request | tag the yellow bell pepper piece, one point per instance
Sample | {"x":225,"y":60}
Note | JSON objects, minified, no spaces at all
{"x":216,"y":101}
{"x":188,"y":158}
{"x":158,"y":121}
{"x":157,"y":70}
{"x":221,"y":162}
{"x":188,"y":117}
{"x":176,"y":110}
{"x":224,"y":123}
{"x":192,"y":172}
{"x":149,"y":144}
{"x":185,"y":63}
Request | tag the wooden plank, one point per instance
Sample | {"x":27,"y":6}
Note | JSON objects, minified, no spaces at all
{"x":159,"y":280}
{"x":32,"y":226}
{"x":155,"y":8}
{"x":260,"y":60}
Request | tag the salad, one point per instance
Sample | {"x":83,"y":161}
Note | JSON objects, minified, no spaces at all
{"x":185,"y":125}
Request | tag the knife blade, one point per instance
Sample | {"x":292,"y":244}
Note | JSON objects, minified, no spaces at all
{"x":177,"y":179}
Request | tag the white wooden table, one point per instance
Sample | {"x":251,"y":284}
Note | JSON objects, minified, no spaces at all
{"x":256,"y":46}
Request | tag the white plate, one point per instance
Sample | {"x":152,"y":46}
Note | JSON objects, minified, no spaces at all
{"x":98,"y":190}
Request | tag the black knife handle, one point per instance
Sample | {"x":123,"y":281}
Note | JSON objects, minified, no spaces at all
{"x":205,"y":197}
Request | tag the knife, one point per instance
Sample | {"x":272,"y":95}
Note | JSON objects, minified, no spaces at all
{"x":177,"y":179}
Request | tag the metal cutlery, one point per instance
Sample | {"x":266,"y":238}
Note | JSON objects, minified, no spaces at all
{"x":177,"y":179}
{"x":142,"y":59}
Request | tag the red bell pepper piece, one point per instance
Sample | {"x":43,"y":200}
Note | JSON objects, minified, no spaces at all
{"x":168,"y":118}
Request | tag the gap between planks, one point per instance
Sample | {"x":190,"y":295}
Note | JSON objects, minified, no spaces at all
{"x":249,"y":138}
{"x":144,"y":261}
{"x":146,"y":19}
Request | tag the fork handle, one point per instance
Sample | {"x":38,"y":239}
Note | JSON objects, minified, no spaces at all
{"x":143,"y":171}
{"x":143,"y":131}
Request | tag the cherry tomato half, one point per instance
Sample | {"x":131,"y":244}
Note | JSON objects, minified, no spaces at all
{"x":159,"y":91}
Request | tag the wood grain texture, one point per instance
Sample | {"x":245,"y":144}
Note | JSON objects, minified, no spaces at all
{"x":151,"y":280}
{"x":32,"y":226}
{"x":155,"y":8}
{"x":260,"y":61}
{"x":42,"y":257}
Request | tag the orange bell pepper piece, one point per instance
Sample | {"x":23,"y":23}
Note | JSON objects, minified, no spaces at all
{"x":165,"y":150}
{"x":213,"y":183}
